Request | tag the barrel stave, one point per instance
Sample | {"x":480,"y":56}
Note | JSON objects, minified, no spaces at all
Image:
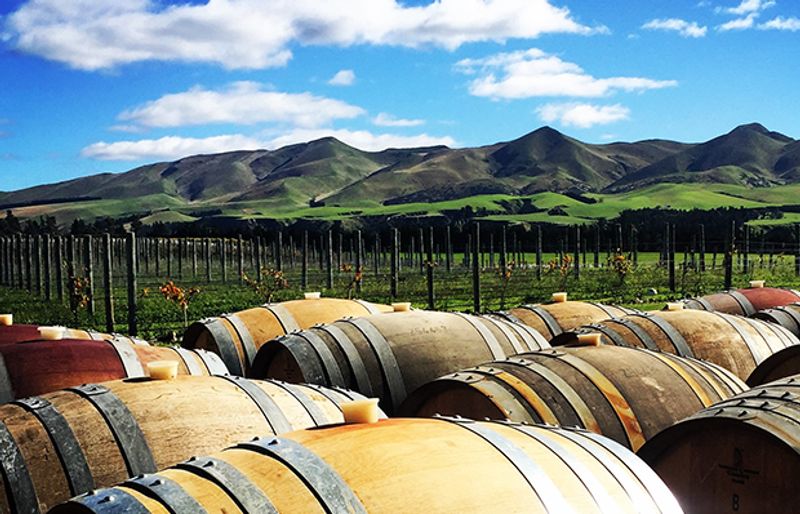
{"x":176,"y":418}
{"x":736,"y":454}
{"x":389,"y":355}
{"x":393,"y":464}
{"x":626,"y":394}
{"x":237,"y":337}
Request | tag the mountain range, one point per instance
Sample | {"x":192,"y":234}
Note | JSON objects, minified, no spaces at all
{"x":329,"y":172}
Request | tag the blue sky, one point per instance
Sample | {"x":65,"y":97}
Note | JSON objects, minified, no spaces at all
{"x":88,"y":86}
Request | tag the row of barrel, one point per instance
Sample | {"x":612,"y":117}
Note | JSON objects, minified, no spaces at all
{"x":63,"y":444}
{"x":232,"y":341}
{"x":418,"y":363}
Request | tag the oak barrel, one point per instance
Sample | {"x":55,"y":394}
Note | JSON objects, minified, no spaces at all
{"x":389,"y":355}
{"x":237,"y":337}
{"x":37,"y":367}
{"x":627,"y":394}
{"x":740,"y":455}
{"x":437,"y":466}
{"x":551,"y":319}
{"x":737,"y":344}
{"x":744,"y":302}
{"x":787,"y":316}
{"x":782,"y":364}
{"x":19,"y":332}
{"x":66,"y":443}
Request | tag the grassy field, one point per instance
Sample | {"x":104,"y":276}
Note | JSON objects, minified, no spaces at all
{"x":645,"y":287}
{"x":167,"y":209}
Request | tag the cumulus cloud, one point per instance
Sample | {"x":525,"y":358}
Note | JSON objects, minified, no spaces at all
{"x":582,"y":115}
{"x":682,"y":27}
{"x":747,"y":7}
{"x":791,"y":24}
{"x":747,"y":11}
{"x":739,"y":23}
{"x":98,"y":34}
{"x":175,"y":147}
{"x":343,"y":78}
{"x":534,"y":73}
{"x":244,"y":103}
{"x":387,"y":120}
{"x":169,"y":147}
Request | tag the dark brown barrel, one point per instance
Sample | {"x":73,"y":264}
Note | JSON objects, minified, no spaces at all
{"x":740,"y":455}
{"x":782,"y":364}
{"x":37,"y":367}
{"x":737,"y":344}
{"x":626,"y":394}
{"x":389,"y":355}
{"x":402,"y":465}
{"x":787,"y":316}
{"x":66,"y":443}
{"x":237,"y":337}
{"x":551,"y":319}
{"x":744,"y":302}
{"x":20,"y":332}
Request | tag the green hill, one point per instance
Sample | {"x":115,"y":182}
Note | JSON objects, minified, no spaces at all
{"x":748,"y":155}
{"x":326,"y":177}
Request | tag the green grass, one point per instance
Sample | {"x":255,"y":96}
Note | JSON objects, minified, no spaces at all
{"x":166,"y":208}
{"x":674,"y":196}
{"x":167,"y":216}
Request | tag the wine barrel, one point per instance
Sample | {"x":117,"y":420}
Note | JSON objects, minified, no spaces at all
{"x":627,"y":394}
{"x":737,"y":344}
{"x":37,"y":367}
{"x":782,"y":364}
{"x":400,"y":465}
{"x":20,"y":332}
{"x":237,"y":337}
{"x":552,"y":319}
{"x":740,"y":455}
{"x":388,"y":355}
{"x":787,"y":316}
{"x":69,"y":442}
{"x":744,"y":302}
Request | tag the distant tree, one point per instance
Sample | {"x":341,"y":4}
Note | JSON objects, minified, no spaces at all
{"x":78,"y":227}
{"x":49,"y":225}
{"x":136,"y":225}
{"x":11,"y":222}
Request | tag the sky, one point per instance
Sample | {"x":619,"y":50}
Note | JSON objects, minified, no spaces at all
{"x":90,"y":86}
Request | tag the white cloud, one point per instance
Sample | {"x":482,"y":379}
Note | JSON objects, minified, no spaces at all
{"x":791,"y":24}
{"x":130,"y":129}
{"x":98,"y":34}
{"x":243,"y":103}
{"x":747,"y":11}
{"x":739,"y":23}
{"x":582,"y":115}
{"x":168,"y":148}
{"x":534,"y":73}
{"x":361,"y":139}
{"x":682,"y":27}
{"x":747,"y":7}
{"x":175,"y":147}
{"x":387,"y":120}
{"x":343,"y":78}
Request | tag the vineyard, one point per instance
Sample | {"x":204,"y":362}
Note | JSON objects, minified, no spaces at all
{"x":179,"y":280}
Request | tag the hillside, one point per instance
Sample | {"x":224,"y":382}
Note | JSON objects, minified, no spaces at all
{"x":749,"y":155}
{"x":330,"y":173}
